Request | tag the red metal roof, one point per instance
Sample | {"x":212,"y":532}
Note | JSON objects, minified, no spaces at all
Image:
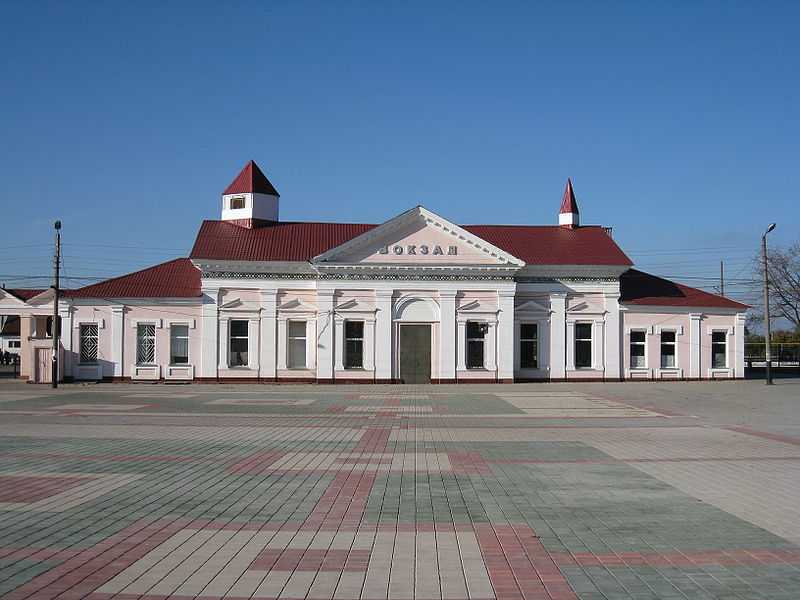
{"x":638,"y":288}
{"x":251,"y":180}
{"x":282,"y":241}
{"x":568,"y":203}
{"x":177,"y":278}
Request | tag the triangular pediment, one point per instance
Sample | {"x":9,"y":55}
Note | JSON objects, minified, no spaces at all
{"x":418,"y":237}
{"x":297,"y":305}
{"x":238,"y":304}
{"x":476,"y":306}
{"x":354,"y":305}
{"x":586,"y":308}
{"x":531,"y":306}
{"x":10,"y":299}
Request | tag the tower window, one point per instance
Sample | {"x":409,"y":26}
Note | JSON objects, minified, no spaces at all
{"x":238,"y":202}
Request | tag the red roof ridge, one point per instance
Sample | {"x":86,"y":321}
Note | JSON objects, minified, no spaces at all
{"x":251,"y":180}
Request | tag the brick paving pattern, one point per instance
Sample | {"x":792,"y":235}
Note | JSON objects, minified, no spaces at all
{"x":516,"y":492}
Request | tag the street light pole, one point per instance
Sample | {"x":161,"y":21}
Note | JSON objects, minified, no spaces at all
{"x":54,"y":328}
{"x":767,"y":333}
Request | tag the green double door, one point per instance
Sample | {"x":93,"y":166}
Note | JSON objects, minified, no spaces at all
{"x":415,"y":353}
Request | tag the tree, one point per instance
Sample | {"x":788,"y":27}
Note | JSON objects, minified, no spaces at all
{"x":783,"y":266}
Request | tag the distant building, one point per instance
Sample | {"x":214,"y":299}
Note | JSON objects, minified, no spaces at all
{"x":415,"y":299}
{"x":9,"y":336}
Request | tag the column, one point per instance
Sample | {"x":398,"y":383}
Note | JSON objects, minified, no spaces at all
{"x":447,"y":335}
{"x":267,"y":360}
{"x":282,"y":343}
{"x":369,"y":344}
{"x":695,"y":347}
{"x":558,"y":336}
{"x":490,"y":342}
{"x":118,"y":340}
{"x":506,"y":351}
{"x":208,"y":330}
{"x":338,"y":322}
{"x":324,"y":335}
{"x":613,"y":362}
{"x":384,"y":347}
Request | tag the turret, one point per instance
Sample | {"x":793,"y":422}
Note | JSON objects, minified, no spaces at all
{"x":568,"y":215}
{"x":250,"y":198}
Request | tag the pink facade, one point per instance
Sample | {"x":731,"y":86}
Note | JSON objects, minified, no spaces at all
{"x":415,"y":299}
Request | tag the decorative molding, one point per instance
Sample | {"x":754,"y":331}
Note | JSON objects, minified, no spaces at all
{"x":531,"y":306}
{"x":296,"y":305}
{"x":354,"y":276}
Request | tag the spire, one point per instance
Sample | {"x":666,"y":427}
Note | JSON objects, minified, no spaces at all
{"x":569,"y":214}
{"x":251,"y":180}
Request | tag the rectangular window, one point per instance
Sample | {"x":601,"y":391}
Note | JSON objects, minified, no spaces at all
{"x":667,"y":349}
{"x":476,"y":334}
{"x":637,"y":349}
{"x":354,"y":344}
{"x":179,"y":345}
{"x":719,"y":354}
{"x":238,"y":343}
{"x":145,"y":344}
{"x":88,"y":343}
{"x":237,"y":202}
{"x":583,"y":345}
{"x":529,"y":346}
{"x":13,"y":344}
{"x":296,"y":355}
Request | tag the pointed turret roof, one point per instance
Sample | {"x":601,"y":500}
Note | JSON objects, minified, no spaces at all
{"x":251,"y":180}
{"x":568,"y":204}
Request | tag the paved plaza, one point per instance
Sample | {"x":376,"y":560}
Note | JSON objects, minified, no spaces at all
{"x":507,"y":492}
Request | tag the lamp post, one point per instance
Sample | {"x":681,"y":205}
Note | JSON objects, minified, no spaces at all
{"x":767,"y":334}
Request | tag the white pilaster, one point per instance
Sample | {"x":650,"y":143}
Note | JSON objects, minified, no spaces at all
{"x":695,"y":345}
{"x":447,"y":335}
{"x":461,"y":345}
{"x":222,"y":353}
{"x":613,"y":333}
{"x":324,"y":335}
{"x":738,"y":341}
{"x":209,"y":335}
{"x":490,"y":347}
{"x":267,"y":359}
{"x":253,"y":343}
{"x":65,"y":312}
{"x":338,"y":324}
{"x":383,"y":335}
{"x":505,"y":336}
{"x":369,"y":344}
{"x":117,"y":339}
{"x":283,"y":346}
{"x":558,"y":336}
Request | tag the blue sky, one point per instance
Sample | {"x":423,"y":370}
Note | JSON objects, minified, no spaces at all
{"x":678,"y":122}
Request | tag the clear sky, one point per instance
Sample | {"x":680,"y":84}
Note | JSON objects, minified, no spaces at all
{"x":678,"y":122}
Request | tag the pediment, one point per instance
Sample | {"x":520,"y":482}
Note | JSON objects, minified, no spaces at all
{"x":9,"y":299}
{"x":354,"y":305}
{"x":476,"y":306}
{"x":297,"y":305}
{"x":531,"y":306}
{"x":417,"y":237}
{"x":238,"y":304}
{"x":586,"y":308}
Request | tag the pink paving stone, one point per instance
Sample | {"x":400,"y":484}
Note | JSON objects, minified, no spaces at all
{"x":33,"y":489}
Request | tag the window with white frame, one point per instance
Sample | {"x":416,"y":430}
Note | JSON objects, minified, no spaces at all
{"x":238,"y":343}
{"x":145,"y":344}
{"x":719,"y":350}
{"x":476,"y":344}
{"x":296,"y":352}
{"x":354,"y":344}
{"x":668,"y":350}
{"x":13,"y":344}
{"x":238,"y":202}
{"x":638,"y":339}
{"x":583,"y":345}
{"x":179,"y":344}
{"x":529,"y":346}
{"x":87,"y":334}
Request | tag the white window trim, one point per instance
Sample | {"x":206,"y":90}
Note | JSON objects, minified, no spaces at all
{"x":645,"y":370}
{"x":369,"y":320}
{"x":542,"y":342}
{"x":728,"y":369}
{"x":597,"y":346}
{"x":671,"y":372}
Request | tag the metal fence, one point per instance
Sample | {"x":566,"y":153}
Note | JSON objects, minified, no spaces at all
{"x":786,"y":356}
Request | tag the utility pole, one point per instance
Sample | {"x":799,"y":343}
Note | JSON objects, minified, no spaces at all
{"x":721,"y":279}
{"x":55,"y":330}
